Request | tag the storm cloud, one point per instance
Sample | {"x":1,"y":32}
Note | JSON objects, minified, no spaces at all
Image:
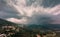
{"x":50,"y":3}
{"x":30,"y":11}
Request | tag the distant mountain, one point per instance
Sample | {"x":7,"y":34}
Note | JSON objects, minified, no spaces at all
{"x":4,"y":22}
{"x":45,"y":26}
{"x":32,"y":26}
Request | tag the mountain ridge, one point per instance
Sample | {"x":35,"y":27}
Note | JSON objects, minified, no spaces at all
{"x":45,"y":27}
{"x":5,"y":22}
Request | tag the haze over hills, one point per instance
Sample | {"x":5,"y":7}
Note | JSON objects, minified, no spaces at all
{"x":32,"y":26}
{"x":4,"y":22}
{"x":45,"y":26}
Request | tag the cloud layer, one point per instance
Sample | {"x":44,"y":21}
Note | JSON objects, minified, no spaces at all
{"x":30,"y":11}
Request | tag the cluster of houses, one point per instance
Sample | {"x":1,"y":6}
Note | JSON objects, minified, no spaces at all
{"x":7,"y":31}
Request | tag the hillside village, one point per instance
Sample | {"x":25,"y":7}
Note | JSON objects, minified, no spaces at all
{"x":9,"y":29}
{"x":12,"y":31}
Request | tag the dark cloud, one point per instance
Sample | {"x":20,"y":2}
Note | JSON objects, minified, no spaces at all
{"x":42,"y":18}
{"x":50,"y":3}
{"x":33,"y":2}
{"x":44,"y":3}
{"x":7,"y":11}
{"x":30,"y":2}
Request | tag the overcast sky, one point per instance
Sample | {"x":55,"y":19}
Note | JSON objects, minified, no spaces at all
{"x":30,"y":11}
